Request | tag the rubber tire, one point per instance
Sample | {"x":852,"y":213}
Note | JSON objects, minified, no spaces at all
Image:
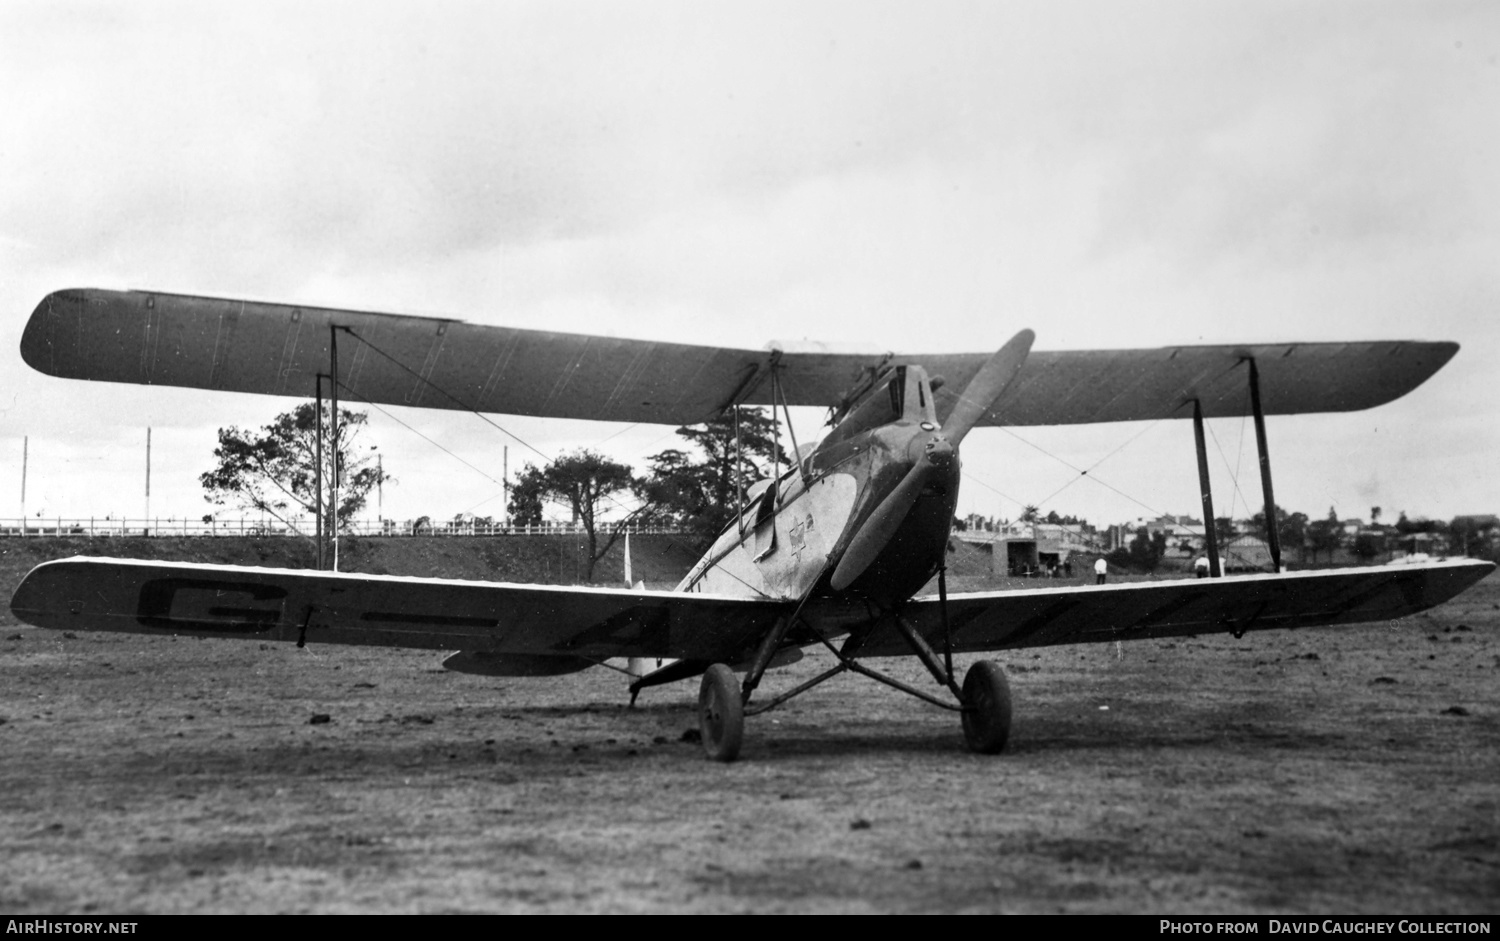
{"x":986,"y":712}
{"x":721,"y":714}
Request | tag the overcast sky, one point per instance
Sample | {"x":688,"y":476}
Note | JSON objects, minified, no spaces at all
{"x":917,"y":176}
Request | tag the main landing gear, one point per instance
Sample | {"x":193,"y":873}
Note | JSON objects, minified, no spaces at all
{"x":983,"y":702}
{"x":985,"y":707}
{"x":986,"y":713}
{"x":721,"y":713}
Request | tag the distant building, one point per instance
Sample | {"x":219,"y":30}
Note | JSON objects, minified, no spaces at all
{"x":1184,"y":535}
{"x":1246,"y":553}
{"x":1041,"y":549}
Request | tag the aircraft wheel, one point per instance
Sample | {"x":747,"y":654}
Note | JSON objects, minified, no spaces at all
{"x":721,"y":713}
{"x":986,"y":708}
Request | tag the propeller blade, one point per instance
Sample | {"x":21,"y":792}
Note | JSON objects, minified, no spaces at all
{"x":993,"y":378}
{"x":880,"y":526}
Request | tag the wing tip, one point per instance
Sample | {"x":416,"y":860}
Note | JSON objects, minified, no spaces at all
{"x":37,"y":336}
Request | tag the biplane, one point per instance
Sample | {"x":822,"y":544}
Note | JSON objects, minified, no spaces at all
{"x":831,"y":553}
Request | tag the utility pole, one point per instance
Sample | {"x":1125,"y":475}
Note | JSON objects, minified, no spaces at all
{"x":318,"y":473}
{"x":333,"y":386}
{"x":148,"y":478}
{"x":25,"y":453}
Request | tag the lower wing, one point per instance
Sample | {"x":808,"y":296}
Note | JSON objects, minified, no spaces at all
{"x":532,"y":624}
{"x":1054,"y":616}
{"x":492,"y":618}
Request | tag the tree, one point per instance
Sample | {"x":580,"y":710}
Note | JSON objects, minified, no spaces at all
{"x":700,"y":494}
{"x":1473,"y":536}
{"x":1144,"y":553}
{"x":275,"y":470}
{"x":585,"y":482}
{"x":1421,"y":524}
{"x":1225,"y":530}
{"x":1149,"y":549}
{"x":1368,"y":545}
{"x":1325,"y":535}
{"x":1291,"y":529}
{"x":528,"y":495}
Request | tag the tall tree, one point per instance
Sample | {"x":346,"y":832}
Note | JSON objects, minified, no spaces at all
{"x":275,"y":469}
{"x":699,"y":491}
{"x":585,"y":482}
{"x":528,"y":497}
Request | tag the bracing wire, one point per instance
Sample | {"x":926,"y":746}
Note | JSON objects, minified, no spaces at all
{"x":419,"y":434}
{"x":450,"y":396}
{"x":485,"y":418}
{"x":1236,"y":496}
{"x":1087,"y":472}
{"x":465,"y":406}
{"x":1239,"y":457}
{"x":995,"y":490}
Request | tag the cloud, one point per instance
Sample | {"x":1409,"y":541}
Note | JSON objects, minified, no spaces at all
{"x":914,"y":177}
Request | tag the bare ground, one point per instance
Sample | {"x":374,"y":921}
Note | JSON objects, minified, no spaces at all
{"x":1351,"y":770}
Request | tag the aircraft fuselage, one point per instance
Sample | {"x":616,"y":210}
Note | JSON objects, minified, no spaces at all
{"x":793,"y":532}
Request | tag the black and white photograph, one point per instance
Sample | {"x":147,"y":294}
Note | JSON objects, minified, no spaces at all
{"x":664,"y":457}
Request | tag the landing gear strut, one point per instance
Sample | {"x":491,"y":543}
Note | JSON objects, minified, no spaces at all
{"x":983,"y":702}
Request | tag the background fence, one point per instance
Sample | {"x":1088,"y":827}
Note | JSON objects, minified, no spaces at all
{"x":109,"y":526}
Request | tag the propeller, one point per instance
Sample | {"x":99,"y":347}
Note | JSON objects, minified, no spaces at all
{"x":993,"y":378}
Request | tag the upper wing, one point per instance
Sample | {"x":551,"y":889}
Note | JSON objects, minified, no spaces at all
{"x":1053,"y":616}
{"x":278,"y":349}
{"x":1066,"y":388}
{"x":332,"y":608}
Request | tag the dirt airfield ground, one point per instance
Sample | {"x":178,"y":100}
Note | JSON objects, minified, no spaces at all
{"x":1347,"y":771}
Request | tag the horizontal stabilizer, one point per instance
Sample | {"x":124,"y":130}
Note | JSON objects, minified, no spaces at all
{"x":481,"y":663}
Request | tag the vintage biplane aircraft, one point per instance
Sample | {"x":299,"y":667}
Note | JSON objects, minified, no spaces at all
{"x":831,"y":553}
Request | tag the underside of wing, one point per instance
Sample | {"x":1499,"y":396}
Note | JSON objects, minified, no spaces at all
{"x":389,"y":359}
{"x":492,"y":618}
{"x":1134,"y":611}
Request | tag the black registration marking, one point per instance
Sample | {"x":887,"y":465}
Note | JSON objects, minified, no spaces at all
{"x":437,"y":620}
{"x":196,"y":604}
